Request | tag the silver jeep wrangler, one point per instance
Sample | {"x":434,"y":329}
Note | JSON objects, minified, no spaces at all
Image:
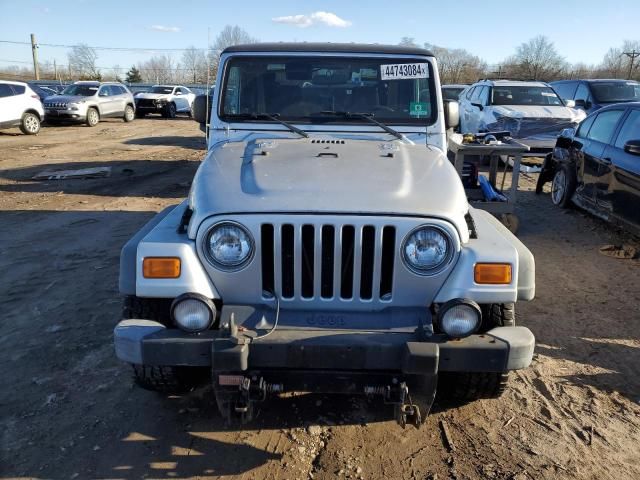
{"x":326,"y":245}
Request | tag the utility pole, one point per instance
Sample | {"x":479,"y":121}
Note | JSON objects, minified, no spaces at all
{"x":632,"y":56}
{"x":55,"y":70}
{"x":34,"y":51}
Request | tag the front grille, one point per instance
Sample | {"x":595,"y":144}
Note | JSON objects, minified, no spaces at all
{"x":55,"y":105}
{"x":146,"y":102}
{"x":311,"y":261}
{"x":527,"y":127}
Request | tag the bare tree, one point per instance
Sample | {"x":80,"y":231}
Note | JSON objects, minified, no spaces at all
{"x":457,"y":65}
{"x":194,"y":63}
{"x":537,"y":59}
{"x":408,"y":42}
{"x":82,"y":62}
{"x":230,"y":35}
{"x":158,"y":69}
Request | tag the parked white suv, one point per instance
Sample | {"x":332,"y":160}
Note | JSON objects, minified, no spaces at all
{"x":166,"y":100}
{"x":20,"y":107}
{"x":531,"y":111}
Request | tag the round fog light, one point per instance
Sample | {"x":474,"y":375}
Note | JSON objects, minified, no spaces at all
{"x":193,"y":313}
{"x":459,"y":318}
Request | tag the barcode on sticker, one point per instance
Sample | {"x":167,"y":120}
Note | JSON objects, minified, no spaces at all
{"x":401,"y":71}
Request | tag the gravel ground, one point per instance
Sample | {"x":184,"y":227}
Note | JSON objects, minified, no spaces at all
{"x":68,"y":408}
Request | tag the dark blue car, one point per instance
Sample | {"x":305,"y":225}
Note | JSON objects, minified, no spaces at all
{"x":597,"y":166}
{"x":592,"y":95}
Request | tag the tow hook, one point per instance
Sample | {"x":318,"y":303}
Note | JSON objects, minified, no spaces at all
{"x":250,"y":391}
{"x":406,"y":412}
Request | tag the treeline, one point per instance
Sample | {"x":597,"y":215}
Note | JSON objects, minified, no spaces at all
{"x":537,"y":59}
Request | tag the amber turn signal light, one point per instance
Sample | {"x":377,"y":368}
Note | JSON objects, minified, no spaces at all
{"x":492,"y":273}
{"x":161,"y":267}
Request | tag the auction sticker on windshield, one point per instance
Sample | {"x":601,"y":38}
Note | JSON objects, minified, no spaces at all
{"x":403,"y":71}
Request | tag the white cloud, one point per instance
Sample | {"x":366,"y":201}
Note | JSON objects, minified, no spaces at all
{"x":164,"y":28}
{"x":316,"y":18}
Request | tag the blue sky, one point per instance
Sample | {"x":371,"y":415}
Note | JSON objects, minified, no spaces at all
{"x":582,"y":30}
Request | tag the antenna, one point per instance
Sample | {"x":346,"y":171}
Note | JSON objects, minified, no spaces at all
{"x":207,"y":111}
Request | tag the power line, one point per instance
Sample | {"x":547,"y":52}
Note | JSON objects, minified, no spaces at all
{"x":118,"y":49}
{"x":62,"y":65}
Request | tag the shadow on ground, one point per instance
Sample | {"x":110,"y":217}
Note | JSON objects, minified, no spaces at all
{"x":194,"y":143}
{"x":128,"y":178}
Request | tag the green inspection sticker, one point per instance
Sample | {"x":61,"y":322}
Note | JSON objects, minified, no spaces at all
{"x":419,"y":109}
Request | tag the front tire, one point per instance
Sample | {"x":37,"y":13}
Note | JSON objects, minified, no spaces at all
{"x":129,"y":114}
{"x":93,"y":117}
{"x":30,"y":124}
{"x":170,"y":111}
{"x":464,"y":387}
{"x":563,"y":185}
{"x":161,"y":378}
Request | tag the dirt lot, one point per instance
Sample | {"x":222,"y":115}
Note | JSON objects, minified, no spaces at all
{"x":69,"y":410}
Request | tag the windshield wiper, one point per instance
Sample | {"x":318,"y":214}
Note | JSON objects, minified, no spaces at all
{"x":365,"y":116}
{"x":273,"y":117}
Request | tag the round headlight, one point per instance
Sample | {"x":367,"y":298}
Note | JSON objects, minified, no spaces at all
{"x":193,"y":313}
{"x":426,"y":249}
{"x":229,"y":246}
{"x":459,"y":318}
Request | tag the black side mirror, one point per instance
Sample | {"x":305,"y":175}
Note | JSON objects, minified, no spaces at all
{"x":199,"y":108}
{"x":477,"y":105}
{"x":580,"y":103}
{"x":632,"y":147}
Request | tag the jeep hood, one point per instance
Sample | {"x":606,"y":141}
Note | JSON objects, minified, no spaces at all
{"x":327,"y":175}
{"x":539,"y":111}
{"x":66,"y":98}
{"x":153,"y":96}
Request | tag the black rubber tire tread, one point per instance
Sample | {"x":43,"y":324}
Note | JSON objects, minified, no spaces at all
{"x":87,"y":121}
{"x":23,"y":128}
{"x":463,"y":387}
{"x":572,"y":183}
{"x":166,"y":379}
{"x":170,"y":111}
{"x":124,"y":116}
{"x":157,"y":309}
{"x":498,"y":315}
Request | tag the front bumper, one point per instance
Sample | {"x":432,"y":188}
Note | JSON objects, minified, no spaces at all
{"x":151,"y":107}
{"x":65,"y":115}
{"x":151,"y":343}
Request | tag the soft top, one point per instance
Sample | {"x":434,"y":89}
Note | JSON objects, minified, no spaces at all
{"x":322,"y":47}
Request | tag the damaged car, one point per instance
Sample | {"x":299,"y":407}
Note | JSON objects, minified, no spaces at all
{"x":531,"y":112}
{"x":167,"y":100}
{"x":326,"y":245}
{"x":597,"y":166}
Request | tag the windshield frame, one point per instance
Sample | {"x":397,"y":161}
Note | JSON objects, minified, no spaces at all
{"x":320,"y":121}
{"x":593,"y":86}
{"x":541,"y":87}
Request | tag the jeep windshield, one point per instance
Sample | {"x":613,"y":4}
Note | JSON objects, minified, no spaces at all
{"x":614,"y":92}
{"x":303,"y":89}
{"x":521,"y":95}
{"x":166,"y":90}
{"x":80,"y":90}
